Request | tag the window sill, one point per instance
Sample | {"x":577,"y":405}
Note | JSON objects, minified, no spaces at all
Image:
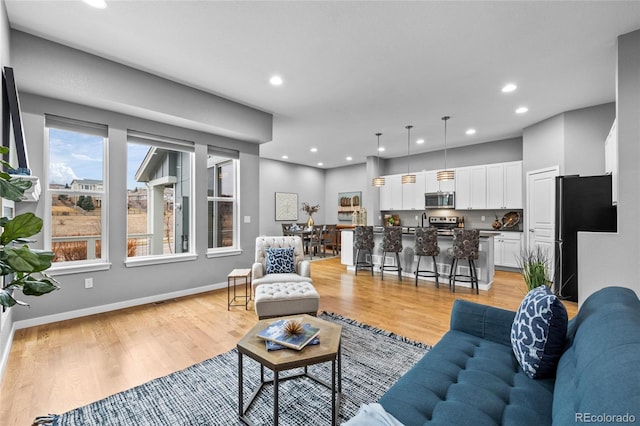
{"x":133,"y":262}
{"x":56,"y":270}
{"x":233,"y":252}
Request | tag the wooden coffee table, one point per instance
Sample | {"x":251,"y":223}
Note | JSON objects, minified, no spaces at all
{"x":287,"y":359}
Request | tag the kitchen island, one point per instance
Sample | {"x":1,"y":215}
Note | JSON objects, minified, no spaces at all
{"x":484,"y":265}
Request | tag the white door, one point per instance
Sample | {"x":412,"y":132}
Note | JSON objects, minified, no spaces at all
{"x":541,"y":200}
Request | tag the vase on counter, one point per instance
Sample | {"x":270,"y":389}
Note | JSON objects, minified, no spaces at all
{"x":310,"y":221}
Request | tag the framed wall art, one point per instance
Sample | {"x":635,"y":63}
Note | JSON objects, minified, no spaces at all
{"x":286,"y":206}
{"x":348,"y":202}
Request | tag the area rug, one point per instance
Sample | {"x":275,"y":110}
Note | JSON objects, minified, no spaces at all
{"x":206,"y":393}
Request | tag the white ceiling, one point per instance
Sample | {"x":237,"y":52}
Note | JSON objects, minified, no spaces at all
{"x":352,"y":69}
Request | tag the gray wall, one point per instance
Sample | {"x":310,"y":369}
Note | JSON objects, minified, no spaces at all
{"x":347,"y":179}
{"x":573,"y":140}
{"x":279,"y":176}
{"x":484,"y":153}
{"x":60,"y":72}
{"x":585,"y":131}
{"x":542,"y":145}
{"x":6,"y":322}
{"x":147,"y":103}
{"x":614,"y":259}
{"x":120,"y":283}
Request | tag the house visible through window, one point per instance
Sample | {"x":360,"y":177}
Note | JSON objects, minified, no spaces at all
{"x":222,"y":197}
{"x":76,"y":201}
{"x":159,"y":195}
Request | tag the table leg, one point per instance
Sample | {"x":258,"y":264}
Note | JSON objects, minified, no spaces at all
{"x":333,"y":393}
{"x":228,"y":294}
{"x":276,"y":383}
{"x":240,"y":384}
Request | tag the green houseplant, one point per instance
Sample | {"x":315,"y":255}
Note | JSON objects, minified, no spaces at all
{"x":21,"y":267}
{"x":534,"y":264}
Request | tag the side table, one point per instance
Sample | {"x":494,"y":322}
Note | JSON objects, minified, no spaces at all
{"x":233,"y":276}
{"x":328,"y":350}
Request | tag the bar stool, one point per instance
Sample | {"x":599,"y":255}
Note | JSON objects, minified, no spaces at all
{"x":363,"y":240}
{"x":466,"y":245}
{"x":427,"y":245}
{"x":391,"y":243}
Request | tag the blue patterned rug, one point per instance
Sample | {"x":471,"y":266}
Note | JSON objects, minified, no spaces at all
{"x":206,"y":393}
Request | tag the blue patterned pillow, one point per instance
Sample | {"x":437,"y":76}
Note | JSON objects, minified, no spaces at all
{"x":538,"y":332}
{"x":280,"y":261}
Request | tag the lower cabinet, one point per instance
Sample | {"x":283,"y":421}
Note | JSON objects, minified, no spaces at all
{"x":507,"y":248}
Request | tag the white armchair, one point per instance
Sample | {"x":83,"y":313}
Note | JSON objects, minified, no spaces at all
{"x":259,"y":269}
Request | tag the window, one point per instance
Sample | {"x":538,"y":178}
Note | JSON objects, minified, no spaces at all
{"x":75,"y":201}
{"x":159,"y":195}
{"x":222,"y":199}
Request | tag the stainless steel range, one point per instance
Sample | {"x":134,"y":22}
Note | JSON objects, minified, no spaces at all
{"x":444,"y":222}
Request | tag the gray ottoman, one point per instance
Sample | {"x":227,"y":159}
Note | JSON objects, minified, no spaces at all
{"x":279,"y":299}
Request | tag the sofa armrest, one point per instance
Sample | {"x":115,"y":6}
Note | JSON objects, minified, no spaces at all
{"x":304,"y":268}
{"x":257,"y":270}
{"x":482,"y":321}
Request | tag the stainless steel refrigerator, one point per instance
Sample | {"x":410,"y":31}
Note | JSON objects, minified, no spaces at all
{"x":582,"y":204}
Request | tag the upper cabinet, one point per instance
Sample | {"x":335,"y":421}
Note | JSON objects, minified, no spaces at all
{"x":391,"y":193}
{"x":504,"y":185}
{"x":432,"y":184}
{"x":471,"y":188}
{"x":413,"y":193}
{"x":487,"y":186}
{"x":611,"y":159}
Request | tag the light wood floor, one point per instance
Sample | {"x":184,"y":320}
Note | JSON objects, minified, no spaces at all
{"x":56,"y":367}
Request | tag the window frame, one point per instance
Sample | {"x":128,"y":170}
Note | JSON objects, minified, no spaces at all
{"x":232,"y":156}
{"x":142,"y":138}
{"x":87,"y":128}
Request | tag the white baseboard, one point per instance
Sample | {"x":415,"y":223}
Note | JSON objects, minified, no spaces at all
{"x":113,"y":306}
{"x":5,"y":351}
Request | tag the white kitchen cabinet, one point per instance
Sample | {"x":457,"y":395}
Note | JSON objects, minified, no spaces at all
{"x":504,"y":185}
{"x":611,"y":159}
{"x":433,"y":185}
{"x":391,"y":193}
{"x":413,"y":193}
{"x":471,"y":188}
{"x":508,"y":246}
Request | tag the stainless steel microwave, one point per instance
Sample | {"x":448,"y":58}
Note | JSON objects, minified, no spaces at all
{"x":440,"y":200}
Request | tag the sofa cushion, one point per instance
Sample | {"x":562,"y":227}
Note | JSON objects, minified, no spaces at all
{"x":599,"y":372}
{"x":280,"y":260}
{"x":466,"y":379}
{"x":538,"y":332}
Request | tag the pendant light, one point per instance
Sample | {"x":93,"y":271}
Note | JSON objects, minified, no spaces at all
{"x":408,"y":178}
{"x":445,"y":174}
{"x":378,"y":181}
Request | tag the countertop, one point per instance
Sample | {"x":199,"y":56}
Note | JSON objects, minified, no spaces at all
{"x":409,"y":230}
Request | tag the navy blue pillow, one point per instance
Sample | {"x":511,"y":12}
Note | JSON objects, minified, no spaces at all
{"x":538,"y":333}
{"x":280,"y":261}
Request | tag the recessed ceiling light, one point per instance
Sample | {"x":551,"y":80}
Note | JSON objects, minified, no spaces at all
{"x":314,"y":149}
{"x":98,"y":4}
{"x":349,"y":158}
{"x":471,"y":131}
{"x":320,"y":164}
{"x":381,"y":149}
{"x":509,"y":88}
{"x":522,"y":110}
{"x":276,"y":80}
{"x":284,"y":157}
{"x":420,"y":141}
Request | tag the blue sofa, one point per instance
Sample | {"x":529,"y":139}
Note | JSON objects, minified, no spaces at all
{"x":471,"y":376}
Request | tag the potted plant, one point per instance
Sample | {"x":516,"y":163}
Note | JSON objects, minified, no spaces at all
{"x":21,"y":267}
{"x":535,"y":265}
